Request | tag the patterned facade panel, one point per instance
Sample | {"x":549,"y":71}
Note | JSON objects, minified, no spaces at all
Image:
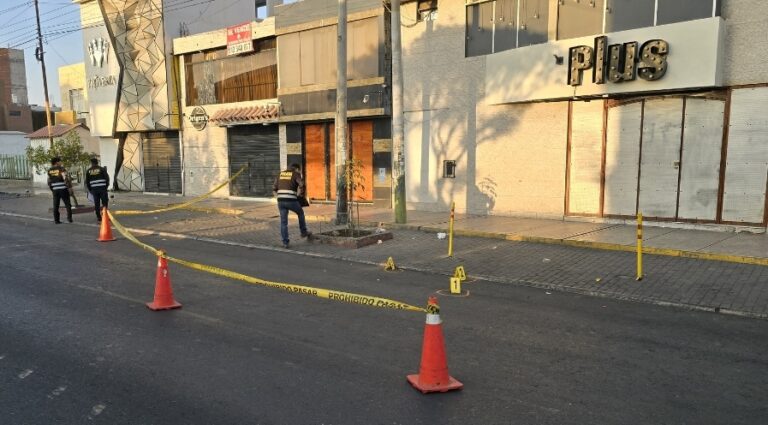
{"x":136,"y":30}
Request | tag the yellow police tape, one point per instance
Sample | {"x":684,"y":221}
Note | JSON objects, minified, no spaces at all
{"x":329,"y":294}
{"x":185,"y":204}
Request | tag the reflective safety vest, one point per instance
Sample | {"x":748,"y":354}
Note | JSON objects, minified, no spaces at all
{"x":289,"y":185}
{"x":56,"y":178}
{"x":96,"y":178}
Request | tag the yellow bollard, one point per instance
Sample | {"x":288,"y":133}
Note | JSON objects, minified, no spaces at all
{"x":455,"y":285}
{"x":639,"y":246}
{"x":450,"y":230}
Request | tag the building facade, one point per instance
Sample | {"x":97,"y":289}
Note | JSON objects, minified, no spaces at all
{"x":235,"y":113}
{"x":15,"y":112}
{"x":599,"y":108}
{"x":133,"y":82}
{"x":230,"y":110}
{"x":306,"y":46}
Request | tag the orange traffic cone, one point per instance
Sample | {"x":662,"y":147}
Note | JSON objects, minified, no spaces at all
{"x":105,"y":231}
{"x":433,"y":373}
{"x":163,"y":292}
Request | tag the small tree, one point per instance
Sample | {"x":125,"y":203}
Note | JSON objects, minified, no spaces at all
{"x":68,"y":148}
{"x":355,"y":180}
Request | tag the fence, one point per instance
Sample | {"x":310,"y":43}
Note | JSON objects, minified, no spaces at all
{"x":15,"y":167}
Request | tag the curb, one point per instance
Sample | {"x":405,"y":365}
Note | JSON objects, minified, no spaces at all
{"x":493,"y":279}
{"x":605,"y":246}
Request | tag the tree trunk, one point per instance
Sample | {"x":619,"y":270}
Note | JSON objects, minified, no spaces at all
{"x":119,"y":160}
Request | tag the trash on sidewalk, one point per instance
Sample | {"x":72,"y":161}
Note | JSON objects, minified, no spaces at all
{"x":441,"y":235}
{"x":546,"y":260}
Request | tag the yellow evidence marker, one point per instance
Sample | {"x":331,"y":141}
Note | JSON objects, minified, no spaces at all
{"x":455,"y":285}
{"x":460,"y":274}
{"x":390,"y":265}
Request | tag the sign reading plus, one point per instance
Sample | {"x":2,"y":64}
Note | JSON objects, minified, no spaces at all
{"x":616,"y":63}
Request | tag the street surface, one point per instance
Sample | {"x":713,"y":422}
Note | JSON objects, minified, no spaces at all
{"x":77,"y":345}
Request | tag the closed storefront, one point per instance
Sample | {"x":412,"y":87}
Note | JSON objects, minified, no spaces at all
{"x":257,"y":148}
{"x":162,"y":162}
{"x":685,"y":158}
{"x":320,"y":159}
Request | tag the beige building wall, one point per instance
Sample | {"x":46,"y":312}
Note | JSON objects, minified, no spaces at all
{"x":72,"y":77}
{"x":745,"y":42}
{"x":205,"y":153}
{"x":510,"y":158}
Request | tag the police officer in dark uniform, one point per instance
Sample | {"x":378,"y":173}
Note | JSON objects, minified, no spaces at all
{"x":57,"y":182}
{"x":289,"y":187}
{"x":97,"y":182}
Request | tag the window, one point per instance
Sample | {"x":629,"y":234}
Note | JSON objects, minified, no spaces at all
{"x":213,"y":77}
{"x":579,"y":18}
{"x":77,"y":100}
{"x":493,"y":26}
{"x":671,"y":11}
{"x":623,"y":15}
{"x":261,"y":9}
{"x":426,"y":10}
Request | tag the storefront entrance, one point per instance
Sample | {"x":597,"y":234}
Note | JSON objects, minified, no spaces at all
{"x":162,"y":162}
{"x":258,"y":147}
{"x":320,"y":152}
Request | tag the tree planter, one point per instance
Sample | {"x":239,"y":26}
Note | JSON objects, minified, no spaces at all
{"x":349,"y":238}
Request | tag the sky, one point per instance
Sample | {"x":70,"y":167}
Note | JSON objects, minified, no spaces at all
{"x":62,"y":40}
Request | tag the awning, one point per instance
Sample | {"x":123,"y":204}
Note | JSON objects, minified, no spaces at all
{"x":246,"y":115}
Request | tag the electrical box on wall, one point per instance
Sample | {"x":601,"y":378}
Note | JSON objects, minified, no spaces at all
{"x":449,"y":169}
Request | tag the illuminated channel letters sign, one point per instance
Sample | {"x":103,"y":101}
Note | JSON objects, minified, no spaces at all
{"x":618,"y":63}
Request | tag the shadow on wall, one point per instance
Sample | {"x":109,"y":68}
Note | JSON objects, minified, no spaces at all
{"x":446,"y":117}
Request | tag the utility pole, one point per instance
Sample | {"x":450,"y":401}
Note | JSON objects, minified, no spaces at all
{"x":398,"y":136}
{"x":41,"y":57}
{"x":342,"y":215}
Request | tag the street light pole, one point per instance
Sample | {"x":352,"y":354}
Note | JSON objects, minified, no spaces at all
{"x":342,"y":215}
{"x":398,"y":136}
{"x":41,"y":57}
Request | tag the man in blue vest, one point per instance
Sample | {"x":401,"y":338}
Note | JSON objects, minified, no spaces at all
{"x":289,"y":187}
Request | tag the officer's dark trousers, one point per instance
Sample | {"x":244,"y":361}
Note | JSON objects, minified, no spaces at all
{"x":58,"y":196}
{"x":100,"y":199}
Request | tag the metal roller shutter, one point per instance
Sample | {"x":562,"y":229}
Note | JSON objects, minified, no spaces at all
{"x":258,"y":147}
{"x":700,"y":168}
{"x":586,"y":158}
{"x":747,"y":158}
{"x":622,"y":150}
{"x":162,"y":162}
{"x":660,"y":160}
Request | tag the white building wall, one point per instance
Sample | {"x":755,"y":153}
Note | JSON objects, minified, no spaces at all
{"x":13,"y":143}
{"x":510,"y":158}
{"x":746,"y":41}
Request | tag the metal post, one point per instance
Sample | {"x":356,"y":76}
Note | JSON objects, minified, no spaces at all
{"x":639,"y":246}
{"x":342,"y":213}
{"x":41,"y":58}
{"x":450,"y":230}
{"x":398,"y":133}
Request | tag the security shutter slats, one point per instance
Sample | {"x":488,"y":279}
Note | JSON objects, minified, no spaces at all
{"x":621,"y":154}
{"x":747,"y":159}
{"x":700,"y":168}
{"x":660,"y":160}
{"x":162,"y":163}
{"x":259,"y":148}
{"x":586,"y":158}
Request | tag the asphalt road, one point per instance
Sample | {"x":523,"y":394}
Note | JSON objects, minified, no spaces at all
{"x":77,"y":345}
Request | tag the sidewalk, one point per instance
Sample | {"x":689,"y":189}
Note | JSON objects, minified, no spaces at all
{"x":496,"y":249}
